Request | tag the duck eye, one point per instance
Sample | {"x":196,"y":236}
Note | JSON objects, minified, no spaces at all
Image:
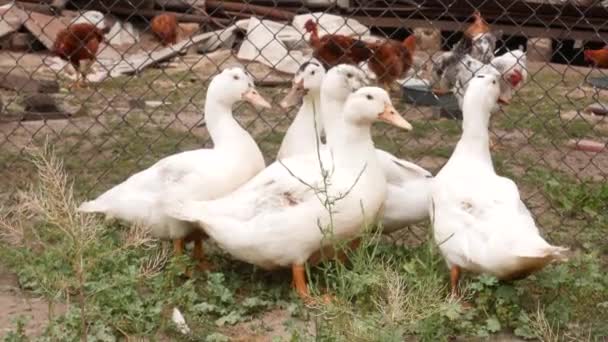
{"x":236,"y":77}
{"x":369,"y":97}
{"x":349,"y":75}
{"x":494,"y":82}
{"x":312,"y":72}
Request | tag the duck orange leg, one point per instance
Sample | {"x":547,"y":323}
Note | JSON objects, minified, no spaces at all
{"x":352,"y":245}
{"x":199,"y":255}
{"x":454,"y":277}
{"x":298,"y":274}
{"x":179,"y":246}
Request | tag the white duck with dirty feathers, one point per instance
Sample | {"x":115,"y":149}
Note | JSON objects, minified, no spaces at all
{"x":278,"y":218}
{"x":479,"y":220}
{"x":304,"y":133}
{"x":201,"y":174}
{"x":408,"y":193}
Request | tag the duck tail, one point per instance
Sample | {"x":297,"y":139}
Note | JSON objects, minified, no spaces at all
{"x":91,"y":207}
{"x":557,"y":253}
{"x":544,"y":251}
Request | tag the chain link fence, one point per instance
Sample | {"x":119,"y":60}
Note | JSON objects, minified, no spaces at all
{"x":144,"y":99}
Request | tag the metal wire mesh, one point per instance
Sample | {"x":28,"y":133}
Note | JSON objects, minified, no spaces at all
{"x":145,"y":100}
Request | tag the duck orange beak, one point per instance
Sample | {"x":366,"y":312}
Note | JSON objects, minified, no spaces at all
{"x":295,"y":95}
{"x":253,"y":97}
{"x":503,"y":101}
{"x":391,"y":116}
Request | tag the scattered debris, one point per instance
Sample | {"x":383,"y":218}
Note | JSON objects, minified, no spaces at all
{"x":155,"y":104}
{"x":331,"y":24}
{"x":224,"y":38}
{"x":599,"y":122}
{"x":597,"y":109}
{"x":598,"y":82}
{"x":180,"y":322}
{"x":11,"y":19}
{"x":45,"y":27}
{"x":122,"y":34}
{"x":587,"y":145}
{"x":264,"y":45}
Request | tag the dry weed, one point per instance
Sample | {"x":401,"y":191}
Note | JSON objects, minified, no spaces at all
{"x":154,"y":264}
{"x":403,"y":302}
{"x":139,"y":236}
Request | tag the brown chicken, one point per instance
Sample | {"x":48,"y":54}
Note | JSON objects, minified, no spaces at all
{"x":78,"y":44}
{"x":478,"y":26}
{"x":164,"y":26}
{"x":598,"y":58}
{"x":391,"y":60}
{"x":334,"y":49}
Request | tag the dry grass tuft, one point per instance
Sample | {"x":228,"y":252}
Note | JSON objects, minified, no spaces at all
{"x":52,"y":200}
{"x":403,"y":302}
{"x":153,"y":265}
{"x":138,"y":235}
{"x":543,"y":330}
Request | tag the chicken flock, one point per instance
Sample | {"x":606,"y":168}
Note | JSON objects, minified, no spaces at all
{"x":386,"y":59}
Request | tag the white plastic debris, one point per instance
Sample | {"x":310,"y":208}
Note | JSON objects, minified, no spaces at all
{"x":260,"y":45}
{"x":7,"y":6}
{"x":155,"y":104}
{"x":91,"y":17}
{"x":96,"y":74}
{"x":180,"y":322}
{"x":329,"y":23}
{"x":123,"y":34}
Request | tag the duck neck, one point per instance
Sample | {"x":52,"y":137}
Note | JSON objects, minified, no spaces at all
{"x":353,"y":144}
{"x":224,"y":130}
{"x":304,"y":133}
{"x":475,"y":140}
{"x":332,"y":118}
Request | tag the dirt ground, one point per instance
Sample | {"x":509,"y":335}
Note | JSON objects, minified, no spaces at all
{"x":15,"y":303}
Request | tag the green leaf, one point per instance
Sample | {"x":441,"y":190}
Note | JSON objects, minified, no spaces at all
{"x":232,"y":318}
{"x":492,"y":324}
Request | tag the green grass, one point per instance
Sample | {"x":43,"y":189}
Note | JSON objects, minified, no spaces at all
{"x":386,"y":292}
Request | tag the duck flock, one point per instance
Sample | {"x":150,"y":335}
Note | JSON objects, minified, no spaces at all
{"x":316,"y":194}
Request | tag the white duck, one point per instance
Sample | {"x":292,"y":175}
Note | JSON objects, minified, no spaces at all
{"x":409,"y":185}
{"x":278,"y":219}
{"x":480,"y":222}
{"x":303,"y":135}
{"x":201,"y":174}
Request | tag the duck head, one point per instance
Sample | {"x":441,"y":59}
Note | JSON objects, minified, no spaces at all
{"x":233,"y":85}
{"x":370,"y":104}
{"x":307,"y":79}
{"x":342,"y":80}
{"x":483,"y":92}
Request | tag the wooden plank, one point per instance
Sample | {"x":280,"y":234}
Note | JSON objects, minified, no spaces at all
{"x":11,"y":20}
{"x":137,"y":62}
{"x":528,"y":31}
{"x":45,"y":27}
{"x":266,"y":12}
